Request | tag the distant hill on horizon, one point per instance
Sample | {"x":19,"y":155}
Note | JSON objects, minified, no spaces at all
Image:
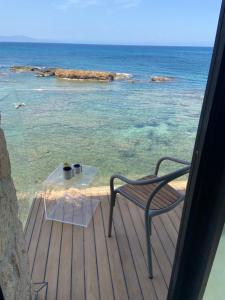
{"x":23,"y":39}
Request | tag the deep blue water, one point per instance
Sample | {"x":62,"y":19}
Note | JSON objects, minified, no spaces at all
{"x":189,"y":64}
{"x":120,"y":126}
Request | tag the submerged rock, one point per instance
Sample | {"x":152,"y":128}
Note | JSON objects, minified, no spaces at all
{"x":161,"y":79}
{"x":46,"y":72}
{"x":19,"y":105}
{"x":24,"y":69}
{"x":84,"y":75}
{"x":41,"y":72}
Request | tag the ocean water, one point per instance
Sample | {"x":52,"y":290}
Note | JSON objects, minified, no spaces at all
{"x":121,"y":126}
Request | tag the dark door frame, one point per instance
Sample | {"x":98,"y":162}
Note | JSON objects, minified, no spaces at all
{"x":204,"y":209}
{"x":1,"y":294}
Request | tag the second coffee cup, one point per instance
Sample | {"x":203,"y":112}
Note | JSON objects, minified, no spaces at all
{"x":77,"y":169}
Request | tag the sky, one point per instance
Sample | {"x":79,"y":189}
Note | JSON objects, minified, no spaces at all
{"x":139,"y":22}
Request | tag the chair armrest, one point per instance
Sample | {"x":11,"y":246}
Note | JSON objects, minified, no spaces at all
{"x":176,"y":160}
{"x":130,"y":181}
{"x":168,"y":177}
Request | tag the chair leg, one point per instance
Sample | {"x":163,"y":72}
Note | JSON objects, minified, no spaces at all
{"x":112,"y":204}
{"x":148,"y":224}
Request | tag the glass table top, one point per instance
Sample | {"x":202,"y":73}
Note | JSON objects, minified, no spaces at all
{"x":65,"y":200}
{"x":81,"y":180}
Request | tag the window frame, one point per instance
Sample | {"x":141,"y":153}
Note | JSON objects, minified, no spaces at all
{"x":204,"y":207}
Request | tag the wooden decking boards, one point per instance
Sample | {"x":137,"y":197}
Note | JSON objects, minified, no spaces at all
{"x":81,"y":263}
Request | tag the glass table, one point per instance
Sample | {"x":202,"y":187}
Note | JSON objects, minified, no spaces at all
{"x":65,"y":200}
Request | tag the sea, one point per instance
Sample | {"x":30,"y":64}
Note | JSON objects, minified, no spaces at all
{"x":123,"y":126}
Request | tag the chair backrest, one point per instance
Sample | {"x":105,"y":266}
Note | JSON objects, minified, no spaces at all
{"x":169,"y":192}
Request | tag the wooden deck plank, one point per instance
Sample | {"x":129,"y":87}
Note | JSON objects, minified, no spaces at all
{"x":158,"y":249}
{"x":104,"y":272}
{"x":118,"y":279}
{"x":65,"y":260}
{"x":36,"y":235}
{"x":133,"y":285}
{"x":174,"y":219}
{"x":91,"y":273}
{"x":164,"y":239}
{"x":179,"y":210}
{"x":158,"y":280}
{"x":78,"y":276}
{"x":64,"y":279}
{"x":52,"y":268}
{"x":169,"y":227}
{"x":29,"y":215}
{"x":38,"y":274}
{"x":41,"y":257}
{"x":31,"y":222}
{"x":139,"y":260}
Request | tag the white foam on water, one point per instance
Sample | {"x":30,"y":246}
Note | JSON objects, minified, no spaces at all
{"x":123,"y":76}
{"x":63,"y":89}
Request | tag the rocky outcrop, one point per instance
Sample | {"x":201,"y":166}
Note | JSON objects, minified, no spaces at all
{"x":84,"y":75}
{"x":72,"y":74}
{"x":161,"y":79}
{"x":14,"y":270}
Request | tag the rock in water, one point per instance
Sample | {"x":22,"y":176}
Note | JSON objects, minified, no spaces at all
{"x":14,"y":269}
{"x":24,"y":69}
{"x":46,"y":72}
{"x":161,"y":79}
{"x":19,"y":105}
{"x":41,"y":72}
{"x":84,"y":75}
{"x":71,"y":74}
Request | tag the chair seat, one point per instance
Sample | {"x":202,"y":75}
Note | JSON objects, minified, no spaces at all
{"x":139,"y":194}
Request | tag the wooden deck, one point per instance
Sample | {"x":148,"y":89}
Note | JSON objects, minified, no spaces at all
{"x":83,"y":263}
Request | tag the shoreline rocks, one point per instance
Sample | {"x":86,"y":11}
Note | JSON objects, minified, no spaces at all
{"x":161,"y":79}
{"x":85,"y":75}
{"x":70,"y":74}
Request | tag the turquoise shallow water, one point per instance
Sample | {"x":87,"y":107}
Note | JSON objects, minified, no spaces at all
{"x":122,"y":126}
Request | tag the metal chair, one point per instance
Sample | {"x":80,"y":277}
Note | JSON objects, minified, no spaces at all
{"x":151,"y":193}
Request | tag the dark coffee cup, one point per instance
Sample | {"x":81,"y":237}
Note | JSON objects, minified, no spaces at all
{"x":67,"y":172}
{"x":77,"y":169}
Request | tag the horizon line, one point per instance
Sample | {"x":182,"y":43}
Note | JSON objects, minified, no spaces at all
{"x":105,"y":44}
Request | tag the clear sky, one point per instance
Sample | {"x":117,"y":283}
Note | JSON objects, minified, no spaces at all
{"x":141,"y":22}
